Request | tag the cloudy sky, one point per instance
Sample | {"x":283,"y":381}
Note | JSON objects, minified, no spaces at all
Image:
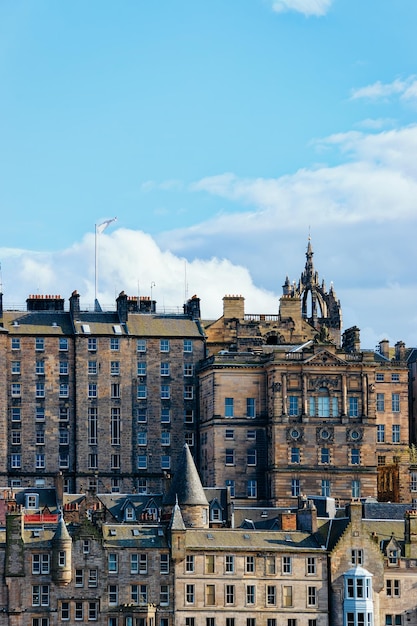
{"x":221,"y":133}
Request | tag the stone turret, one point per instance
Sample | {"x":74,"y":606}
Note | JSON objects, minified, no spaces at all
{"x":61,"y":555}
{"x":186,"y":491}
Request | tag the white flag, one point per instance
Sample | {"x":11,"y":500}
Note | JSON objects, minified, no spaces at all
{"x":101,"y":227}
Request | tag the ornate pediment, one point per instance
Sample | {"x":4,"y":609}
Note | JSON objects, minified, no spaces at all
{"x":326,"y":358}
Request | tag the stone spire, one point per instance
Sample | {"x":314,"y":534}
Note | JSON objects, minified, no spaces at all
{"x":186,"y":491}
{"x":61,"y":554}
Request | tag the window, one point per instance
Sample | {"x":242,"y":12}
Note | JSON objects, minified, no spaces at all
{"x":188,"y":345}
{"x":393,"y":620}
{"x":63,"y":344}
{"x":188,"y":392}
{"x":355,"y":456}
{"x":16,"y":461}
{"x":142,"y":485}
{"x":92,"y":367}
{"x":63,"y":368}
{"x":325,"y":487}
{"x":142,"y":461}
{"x":380,"y":433}
{"x":40,"y":595}
{"x":63,"y":390}
{"x":165,"y":462}
{"x":230,"y":456}
{"x":164,"y":345}
{"x":40,"y":436}
{"x":189,"y":594}
{"x":230,"y":594}
{"x":63,"y":460}
{"x":113,"y":594}
{"x":395,"y":402}
{"x":15,"y":343}
{"x":141,"y":345}
{"x":142,"y":415}
{"x":251,"y":488}
{"x":356,"y":488}
{"x":142,"y":392}
{"x":141,"y":368}
{"x":413,"y":481}
{"x":380,"y":402}
{"x":115,"y":426}
{"x":357,"y":556}
{"x":112,"y":562}
{"x":229,"y":433}
{"x":293,"y":405}
{"x":393,"y":588}
{"x":92,"y":461}
{"x":270,"y":566}
{"x":165,"y":415}
{"x":15,"y":389}
{"x":295,"y":455}
{"x":251,"y":457}
{"x":209,"y":564}
{"x":228,"y":407}
{"x":165,"y":392}
{"x":188,"y":369}
{"x":250,"y":594}
{"x":115,"y":390}
{"x":92,"y":344}
{"x":115,"y":461}
{"x":164,"y":564}
{"x":229,"y":564}
{"x":325,"y":456}
{"x":291,"y":622}
{"x":230,"y":621}
{"x":40,"y":563}
{"x":250,"y":407}
{"x":92,"y":390}
{"x":164,"y":369}
{"x":271,"y":595}
{"x":114,"y":368}
{"x":189,"y":416}
{"x":40,"y":461}
{"x":295,"y":487}
{"x":39,"y":343}
{"x":79,"y":578}
{"x":379,"y":378}
{"x":395,"y":378}
{"x":40,"y":368}
{"x":114,"y":344}
{"x":311,"y":565}
{"x":251,"y":435}
{"x":16,"y":438}
{"x":40,"y":621}
{"x":92,"y":426}
{"x":15,"y":367}
{"x":210,"y":599}
{"x":210,"y":621}
{"x":65,"y":613}
{"x":142,"y":438}
{"x":286,"y":596}
{"x":250,"y":564}
{"x":79,"y":611}
{"x":312,"y":596}
{"x":86,"y":546}
{"x":165,"y":438}
{"x":92,"y":611}
{"x":15,"y":414}
{"x":92,"y":578}
{"x":286,"y":565}
{"x":164,"y":595}
{"x":271,"y":621}
{"x":395,"y":433}
{"x":353,"y":407}
{"x":115,"y":485}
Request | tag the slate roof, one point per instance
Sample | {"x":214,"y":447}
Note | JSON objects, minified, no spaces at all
{"x":144,"y":325}
{"x":116,"y":503}
{"x":242,"y":539}
{"x":134,"y":536}
{"x":37,"y":323}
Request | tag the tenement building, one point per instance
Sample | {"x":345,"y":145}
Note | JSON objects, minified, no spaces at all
{"x":106,"y":398}
{"x":289,"y":406}
{"x":177,"y":559}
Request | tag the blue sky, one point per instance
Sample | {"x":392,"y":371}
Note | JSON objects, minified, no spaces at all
{"x":220,"y":133}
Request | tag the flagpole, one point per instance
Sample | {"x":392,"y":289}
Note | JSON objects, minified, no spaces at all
{"x":99,"y":228}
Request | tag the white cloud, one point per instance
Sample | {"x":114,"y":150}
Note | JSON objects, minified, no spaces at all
{"x":405,"y":89}
{"x":307,"y":7}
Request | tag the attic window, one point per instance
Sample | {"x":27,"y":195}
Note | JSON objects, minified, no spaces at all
{"x":32,"y":501}
{"x":117,"y":329}
{"x":54,"y":324}
{"x":112,"y":532}
{"x":15,"y":323}
{"x":210,"y":536}
{"x":160,"y":532}
{"x":245,"y":536}
{"x":288,"y":538}
{"x":135,"y":532}
{"x":36,"y":533}
{"x":86,"y":328}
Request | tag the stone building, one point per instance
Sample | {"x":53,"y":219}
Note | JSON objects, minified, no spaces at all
{"x":288,"y":406}
{"x":107,"y":398}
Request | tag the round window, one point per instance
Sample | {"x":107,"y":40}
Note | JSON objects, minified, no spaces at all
{"x":325,"y":434}
{"x":355,"y":434}
{"x":295,"y":434}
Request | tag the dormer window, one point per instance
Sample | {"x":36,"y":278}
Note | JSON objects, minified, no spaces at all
{"x":130,"y":514}
{"x":32,"y":501}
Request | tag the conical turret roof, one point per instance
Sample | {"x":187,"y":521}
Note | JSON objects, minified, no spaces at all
{"x":186,"y":487}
